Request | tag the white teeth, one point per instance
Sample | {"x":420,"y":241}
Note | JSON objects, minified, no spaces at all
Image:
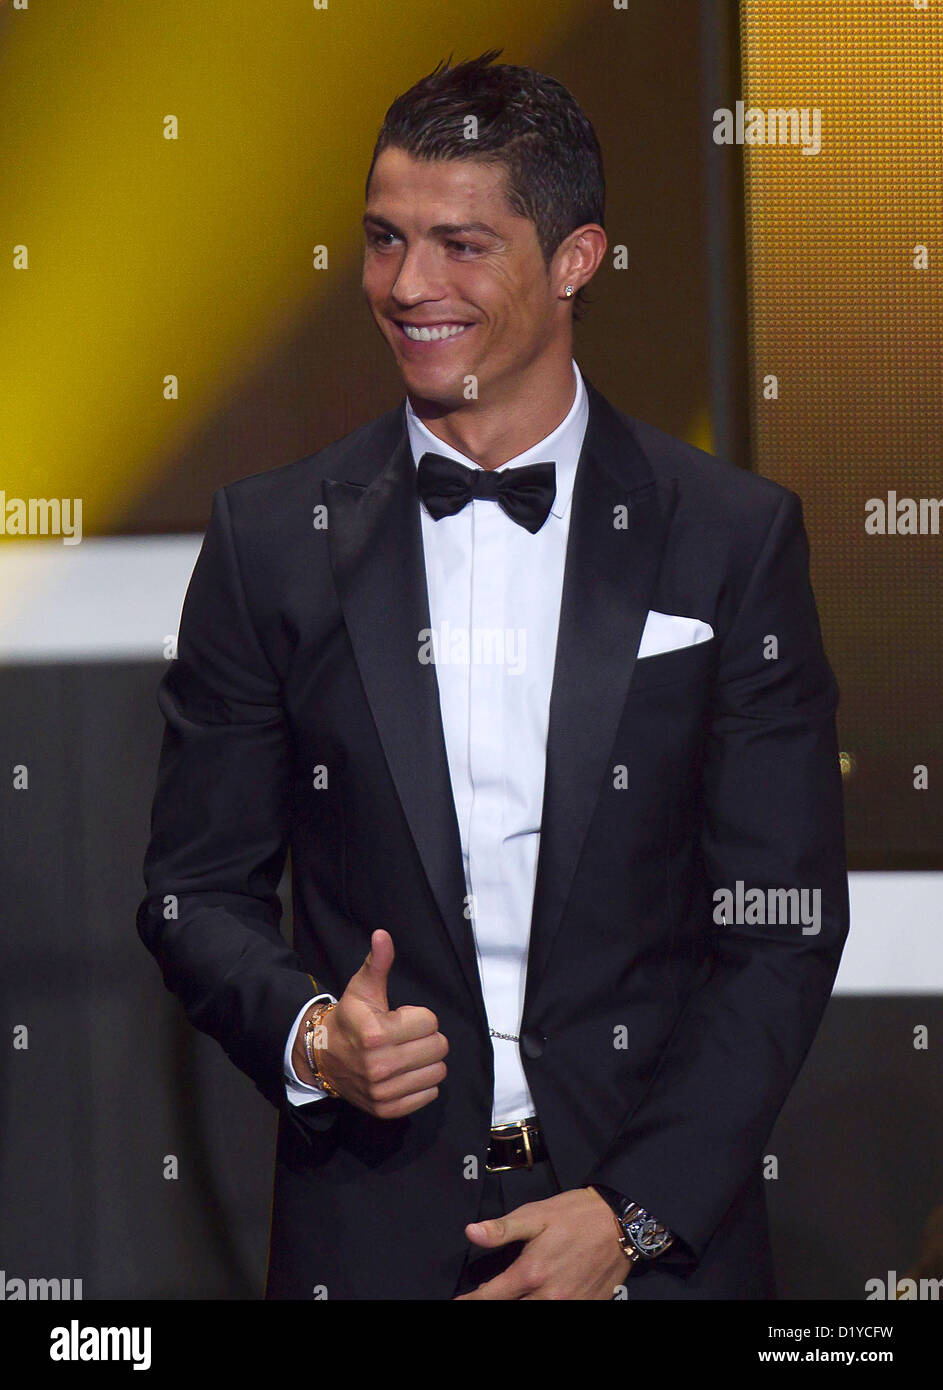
{"x":433,"y":335}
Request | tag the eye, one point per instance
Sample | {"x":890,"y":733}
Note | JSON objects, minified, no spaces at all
{"x":464,"y":246}
{"x":377,"y":238}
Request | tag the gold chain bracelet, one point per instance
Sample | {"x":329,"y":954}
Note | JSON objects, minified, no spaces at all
{"x":312,"y":1025}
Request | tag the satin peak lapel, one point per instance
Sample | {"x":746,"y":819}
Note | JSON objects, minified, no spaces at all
{"x":375,"y":546}
{"x":609,"y":579}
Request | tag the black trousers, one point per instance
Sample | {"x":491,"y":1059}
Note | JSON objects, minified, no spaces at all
{"x":501,"y":1193}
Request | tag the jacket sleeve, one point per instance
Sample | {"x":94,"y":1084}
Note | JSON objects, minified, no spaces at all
{"x":773,"y":819}
{"x":219,"y":826}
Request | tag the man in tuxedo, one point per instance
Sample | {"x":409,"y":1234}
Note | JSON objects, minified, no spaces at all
{"x":536,"y":696}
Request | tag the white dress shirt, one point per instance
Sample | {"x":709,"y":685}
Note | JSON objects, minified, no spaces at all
{"x":494,"y":604}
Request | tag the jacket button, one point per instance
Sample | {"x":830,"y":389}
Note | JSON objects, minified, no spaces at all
{"x":533,"y":1042}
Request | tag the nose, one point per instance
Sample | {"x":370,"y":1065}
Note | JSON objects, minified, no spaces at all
{"x":416,"y":279}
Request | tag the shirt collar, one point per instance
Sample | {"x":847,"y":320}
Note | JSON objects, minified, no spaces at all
{"x":563,"y":445}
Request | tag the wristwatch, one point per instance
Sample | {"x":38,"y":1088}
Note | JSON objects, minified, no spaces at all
{"x":642,"y":1237}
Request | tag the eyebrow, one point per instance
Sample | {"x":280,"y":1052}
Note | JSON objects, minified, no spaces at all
{"x":441,"y":228}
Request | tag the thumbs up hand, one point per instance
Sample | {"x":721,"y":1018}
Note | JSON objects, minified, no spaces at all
{"x":386,"y":1061}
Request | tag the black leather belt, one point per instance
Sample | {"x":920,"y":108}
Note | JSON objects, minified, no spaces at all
{"x":517,"y":1145}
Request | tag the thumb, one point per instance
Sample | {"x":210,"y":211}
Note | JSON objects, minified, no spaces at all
{"x":522,"y":1223}
{"x":494,"y":1232}
{"x":369,"y":983}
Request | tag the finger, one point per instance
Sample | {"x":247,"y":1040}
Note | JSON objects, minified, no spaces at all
{"x":396,"y":1109}
{"x":507,"y":1286}
{"x":374,"y":1030}
{"x":409,"y":1083}
{"x":369,"y":983}
{"x":410,"y":1022}
{"x":385,"y":1063}
{"x":523,"y":1223}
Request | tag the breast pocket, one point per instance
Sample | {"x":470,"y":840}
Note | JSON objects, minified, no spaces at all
{"x":667,"y":668}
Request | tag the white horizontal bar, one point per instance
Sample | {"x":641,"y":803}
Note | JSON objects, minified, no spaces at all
{"x":109,"y":599}
{"x":895,"y":945}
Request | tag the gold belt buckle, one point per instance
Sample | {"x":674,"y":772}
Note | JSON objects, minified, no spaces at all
{"x":524,"y":1135}
{"x":528,"y":1151}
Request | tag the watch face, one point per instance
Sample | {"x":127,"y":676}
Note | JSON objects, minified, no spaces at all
{"x":650,"y":1237}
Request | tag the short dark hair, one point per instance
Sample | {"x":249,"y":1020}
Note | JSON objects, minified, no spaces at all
{"x":526,"y":121}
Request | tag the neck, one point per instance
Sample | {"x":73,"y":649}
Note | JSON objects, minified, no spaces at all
{"x":511,"y":420}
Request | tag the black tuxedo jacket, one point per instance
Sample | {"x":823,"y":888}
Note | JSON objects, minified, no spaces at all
{"x":659,"y":1046}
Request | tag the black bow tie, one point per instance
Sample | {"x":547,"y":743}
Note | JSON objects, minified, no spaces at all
{"x":524,"y":494}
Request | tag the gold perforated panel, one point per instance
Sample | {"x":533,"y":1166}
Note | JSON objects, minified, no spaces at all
{"x":844,"y":256}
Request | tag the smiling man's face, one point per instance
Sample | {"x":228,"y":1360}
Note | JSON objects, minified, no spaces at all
{"x":456,"y":280}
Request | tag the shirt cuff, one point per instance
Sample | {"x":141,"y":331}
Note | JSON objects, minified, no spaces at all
{"x":301,"y":1092}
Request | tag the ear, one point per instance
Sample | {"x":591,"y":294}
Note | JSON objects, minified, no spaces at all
{"x":578,"y":257}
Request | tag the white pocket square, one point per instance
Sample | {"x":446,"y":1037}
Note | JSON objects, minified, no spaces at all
{"x":665,"y":632}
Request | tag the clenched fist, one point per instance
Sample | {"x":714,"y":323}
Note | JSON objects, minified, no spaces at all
{"x":385,"y":1061}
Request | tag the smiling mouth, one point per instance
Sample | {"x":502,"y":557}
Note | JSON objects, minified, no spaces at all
{"x":432,"y":332}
